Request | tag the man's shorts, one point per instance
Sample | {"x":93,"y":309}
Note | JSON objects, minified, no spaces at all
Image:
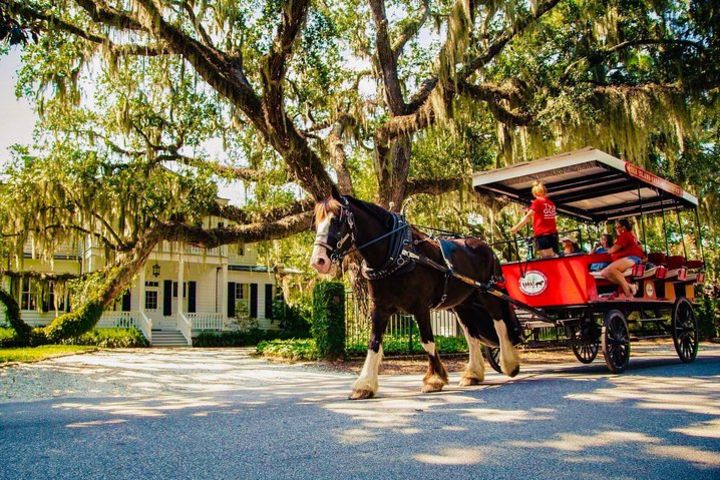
{"x":549,"y":241}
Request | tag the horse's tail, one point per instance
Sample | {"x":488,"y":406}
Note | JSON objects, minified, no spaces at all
{"x":512,"y":322}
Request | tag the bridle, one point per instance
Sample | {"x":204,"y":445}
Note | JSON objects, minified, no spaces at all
{"x":347,"y":243}
{"x":342,"y":247}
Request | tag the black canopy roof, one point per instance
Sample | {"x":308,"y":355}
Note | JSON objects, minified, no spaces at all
{"x":588,"y":185}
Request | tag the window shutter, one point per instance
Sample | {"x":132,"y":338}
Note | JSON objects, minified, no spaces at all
{"x":231,"y":299}
{"x":192,"y":288}
{"x":126,"y":301}
{"x":268,"y":300}
{"x":254,"y":300}
{"x":167,"y":297}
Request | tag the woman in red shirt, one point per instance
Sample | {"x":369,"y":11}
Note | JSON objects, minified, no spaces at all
{"x":626,"y":252}
{"x":542,"y":211}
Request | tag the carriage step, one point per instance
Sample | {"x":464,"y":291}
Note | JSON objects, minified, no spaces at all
{"x":538,"y":324}
{"x":658,"y":319}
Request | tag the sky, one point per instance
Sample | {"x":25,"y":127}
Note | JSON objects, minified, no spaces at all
{"x":17,"y":117}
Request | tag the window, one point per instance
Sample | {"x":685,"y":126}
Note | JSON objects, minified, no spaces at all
{"x":50,"y":304}
{"x":152,"y":284}
{"x":241,"y":249}
{"x":151,"y":300}
{"x":28,"y":300}
{"x":241,"y":291}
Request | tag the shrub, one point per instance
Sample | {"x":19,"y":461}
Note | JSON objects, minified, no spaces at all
{"x":293,"y":349}
{"x":237,"y":338}
{"x":394,"y":345}
{"x":294,"y":320}
{"x":708,"y":315}
{"x":110,"y":338}
{"x":328,"y":323}
{"x":75,"y":323}
{"x":8,"y":338}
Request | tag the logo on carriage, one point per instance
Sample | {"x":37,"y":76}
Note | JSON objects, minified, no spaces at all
{"x":533,"y":283}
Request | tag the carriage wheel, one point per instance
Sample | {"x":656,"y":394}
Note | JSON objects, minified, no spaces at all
{"x":586,"y":352}
{"x":615,"y":341}
{"x":685,"y":330}
{"x":587,"y":341}
{"x":492,"y":355}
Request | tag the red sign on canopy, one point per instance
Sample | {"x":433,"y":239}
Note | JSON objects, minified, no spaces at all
{"x":652,"y":179}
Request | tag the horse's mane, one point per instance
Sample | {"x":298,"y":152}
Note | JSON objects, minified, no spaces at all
{"x":323,"y":208}
{"x":373,"y":210}
{"x":330,"y":205}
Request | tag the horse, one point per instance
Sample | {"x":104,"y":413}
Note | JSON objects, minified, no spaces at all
{"x":398,"y":282}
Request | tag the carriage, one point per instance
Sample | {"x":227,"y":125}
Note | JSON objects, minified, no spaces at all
{"x":592,"y":187}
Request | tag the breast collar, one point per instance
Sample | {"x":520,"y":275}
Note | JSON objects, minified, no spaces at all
{"x":396,"y":261}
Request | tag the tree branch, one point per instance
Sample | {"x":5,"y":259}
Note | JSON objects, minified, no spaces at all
{"x":499,"y":43}
{"x":411,"y":28}
{"x":249,"y":233}
{"x":387,"y":59}
{"x":433,"y":186}
{"x":492,"y":96}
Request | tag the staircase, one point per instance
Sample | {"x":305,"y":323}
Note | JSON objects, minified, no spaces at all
{"x":168,"y":338}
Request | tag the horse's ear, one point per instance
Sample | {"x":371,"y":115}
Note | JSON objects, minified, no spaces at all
{"x":335,"y":193}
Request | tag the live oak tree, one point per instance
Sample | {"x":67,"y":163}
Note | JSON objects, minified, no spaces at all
{"x":144,"y":104}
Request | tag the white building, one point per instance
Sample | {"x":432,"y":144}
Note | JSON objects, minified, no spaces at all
{"x":217,"y":285}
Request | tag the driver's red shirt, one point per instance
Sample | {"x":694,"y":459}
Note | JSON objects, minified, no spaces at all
{"x":629,"y":246}
{"x":543,"y":216}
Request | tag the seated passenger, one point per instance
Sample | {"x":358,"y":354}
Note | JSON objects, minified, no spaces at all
{"x":542,"y":211}
{"x":569,"y":246}
{"x":606,"y":241}
{"x":625,"y":253}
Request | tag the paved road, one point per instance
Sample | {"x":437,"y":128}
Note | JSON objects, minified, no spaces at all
{"x":216,"y":414}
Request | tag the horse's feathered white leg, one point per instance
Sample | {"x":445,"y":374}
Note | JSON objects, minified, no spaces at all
{"x":474,"y":373}
{"x":509,"y":358}
{"x":366,"y":386}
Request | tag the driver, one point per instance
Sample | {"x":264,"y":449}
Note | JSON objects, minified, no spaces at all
{"x":542,"y":211}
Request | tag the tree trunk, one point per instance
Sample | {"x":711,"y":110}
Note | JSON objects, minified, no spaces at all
{"x":392,"y":165}
{"x":113,"y":281}
{"x":12,"y":314}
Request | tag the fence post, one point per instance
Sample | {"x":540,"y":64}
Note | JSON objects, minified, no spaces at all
{"x":328,"y":325}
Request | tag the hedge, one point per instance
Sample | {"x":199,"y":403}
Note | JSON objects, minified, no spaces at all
{"x":292,"y":349}
{"x":328,"y":323}
{"x":110,"y":338}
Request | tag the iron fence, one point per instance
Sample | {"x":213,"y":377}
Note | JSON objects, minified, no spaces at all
{"x":402,"y":336}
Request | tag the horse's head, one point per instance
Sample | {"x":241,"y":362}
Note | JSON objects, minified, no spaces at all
{"x":333,"y":222}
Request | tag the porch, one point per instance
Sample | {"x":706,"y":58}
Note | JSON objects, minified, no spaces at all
{"x":187,"y":324}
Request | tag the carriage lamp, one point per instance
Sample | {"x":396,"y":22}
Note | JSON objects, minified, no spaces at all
{"x":156,"y":270}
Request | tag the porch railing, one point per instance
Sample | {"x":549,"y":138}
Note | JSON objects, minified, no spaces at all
{"x":185,"y":327}
{"x":206,"y":320}
{"x":120,"y":319}
{"x":146,"y":326}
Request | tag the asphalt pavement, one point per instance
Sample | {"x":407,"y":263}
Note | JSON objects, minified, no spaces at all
{"x":220,"y":414}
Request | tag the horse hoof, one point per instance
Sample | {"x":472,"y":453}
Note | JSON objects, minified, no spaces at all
{"x":514,"y":372}
{"x":469,"y":381}
{"x":432,"y":387}
{"x":361,"y":394}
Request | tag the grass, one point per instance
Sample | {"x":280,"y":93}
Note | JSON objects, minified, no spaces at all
{"x":35,"y":354}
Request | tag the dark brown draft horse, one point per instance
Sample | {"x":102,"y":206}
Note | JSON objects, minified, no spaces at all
{"x":399,"y":282}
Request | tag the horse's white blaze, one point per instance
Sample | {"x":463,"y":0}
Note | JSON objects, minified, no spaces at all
{"x":319,"y":259}
{"x":476,"y":365}
{"x":429,"y":348}
{"x":368,"y":379}
{"x":509,"y":359}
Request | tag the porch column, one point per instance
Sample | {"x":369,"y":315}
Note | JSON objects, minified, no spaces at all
{"x":224,"y":293}
{"x":141,"y":290}
{"x":180,"y":279}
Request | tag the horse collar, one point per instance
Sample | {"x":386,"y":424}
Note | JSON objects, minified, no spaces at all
{"x":401,"y":237}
